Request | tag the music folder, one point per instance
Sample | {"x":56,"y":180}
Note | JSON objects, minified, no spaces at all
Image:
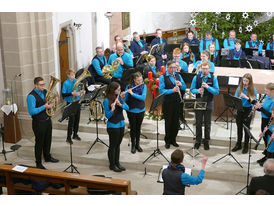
{"x":160,"y":177}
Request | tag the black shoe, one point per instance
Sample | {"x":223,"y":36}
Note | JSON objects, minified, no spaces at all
{"x":167,"y":146}
{"x":139,"y":149}
{"x":76,"y":137}
{"x":206,"y":145}
{"x":51,"y":159}
{"x":197,"y":145}
{"x":121,"y":167}
{"x":261,"y":163}
{"x":69,"y":141}
{"x":115,"y":168}
{"x":40,"y":166}
{"x":133,"y":149}
{"x":262,"y":160}
{"x":175,"y":144}
{"x":245,"y":150}
{"x":237,"y":147}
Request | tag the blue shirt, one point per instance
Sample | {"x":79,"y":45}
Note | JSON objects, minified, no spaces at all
{"x":232,"y":43}
{"x":31,"y":102}
{"x":213,"y":90}
{"x":127,"y":59}
{"x":267,"y":105}
{"x":212,"y":66}
{"x":254,"y":45}
{"x":271,"y":146}
{"x":108,"y":115}
{"x":187,"y":179}
{"x":141,"y":97}
{"x":268,"y":46}
{"x":68,"y":88}
{"x":162,"y":83}
{"x":187,"y":55}
{"x":96,"y":64}
{"x":207,"y":43}
{"x":193,"y":41}
{"x":245,"y":102}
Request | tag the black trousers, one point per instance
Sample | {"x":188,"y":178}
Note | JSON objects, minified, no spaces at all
{"x":203,"y":116}
{"x":115,"y":138}
{"x":73,"y":124}
{"x":102,"y":80}
{"x":43,"y":135}
{"x":171,"y":115}
{"x":263,"y":125}
{"x":135,"y":122}
{"x":242,"y":118}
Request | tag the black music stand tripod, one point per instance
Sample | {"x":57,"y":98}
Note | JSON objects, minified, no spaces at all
{"x":156,"y":102}
{"x":234,"y":103}
{"x":4,"y":152}
{"x":99,"y":93}
{"x":70,"y":110}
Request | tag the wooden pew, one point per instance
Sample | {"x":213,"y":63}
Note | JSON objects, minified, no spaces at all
{"x":67,"y":179}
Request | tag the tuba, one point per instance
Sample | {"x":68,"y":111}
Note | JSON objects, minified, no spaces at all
{"x":50,"y":96}
{"x":107,"y":70}
{"x":79,"y":85}
{"x":96,"y":109}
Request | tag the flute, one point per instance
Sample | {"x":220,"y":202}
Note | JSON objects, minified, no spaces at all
{"x":134,"y":87}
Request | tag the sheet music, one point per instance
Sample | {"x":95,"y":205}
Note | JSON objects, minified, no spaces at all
{"x":187,"y":171}
{"x":93,"y":87}
{"x":19,"y":168}
{"x":233,"y":80}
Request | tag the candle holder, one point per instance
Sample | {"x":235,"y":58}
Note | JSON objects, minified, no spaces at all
{"x":7,"y":96}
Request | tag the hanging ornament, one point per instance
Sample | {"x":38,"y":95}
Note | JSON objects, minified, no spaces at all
{"x":262,"y":42}
{"x":223,"y":34}
{"x":227,"y":17}
{"x":218,"y":13}
{"x":255,"y":23}
{"x":216,"y":27}
{"x":269,"y":13}
{"x":249,"y":28}
{"x":192,"y":22}
{"x":245,"y":15}
{"x":240,"y":29}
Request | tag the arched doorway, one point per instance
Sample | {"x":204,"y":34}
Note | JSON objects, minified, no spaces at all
{"x":63,"y":55}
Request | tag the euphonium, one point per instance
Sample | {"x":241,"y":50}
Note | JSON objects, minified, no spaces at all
{"x":51,"y":96}
{"x":79,"y":85}
{"x":107,"y":70}
{"x":97,"y":109}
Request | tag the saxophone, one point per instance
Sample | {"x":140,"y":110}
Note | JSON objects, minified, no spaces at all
{"x":78,"y":85}
{"x":51,"y":96}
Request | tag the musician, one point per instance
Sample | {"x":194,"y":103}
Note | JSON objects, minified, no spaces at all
{"x":125,"y":60}
{"x":118,"y":39}
{"x":229,"y":43}
{"x":190,"y":39}
{"x":161,"y":57}
{"x":187,"y":55}
{"x":151,"y":67}
{"x":205,"y":86}
{"x":98,"y":62}
{"x":41,"y":122}
{"x":114,"y":106}
{"x":237,"y":53}
{"x":271,"y":47}
{"x":138,"y":46}
{"x":269,"y":134}
{"x":68,"y":93}
{"x":182,"y":65}
{"x":254,"y":43}
{"x":174,"y":176}
{"x":205,"y":57}
{"x":207,"y":40}
{"x":248,"y":93}
{"x":171,"y":83}
{"x":214,"y":55}
{"x":265,"y":108}
{"x":135,"y":99}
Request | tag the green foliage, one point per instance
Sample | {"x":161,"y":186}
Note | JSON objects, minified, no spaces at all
{"x":221,"y":23}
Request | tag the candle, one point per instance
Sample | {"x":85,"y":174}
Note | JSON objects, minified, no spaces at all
{"x":163,"y":69}
{"x":157,"y":82}
{"x":149,"y":75}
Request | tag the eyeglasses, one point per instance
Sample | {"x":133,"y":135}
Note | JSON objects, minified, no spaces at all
{"x":41,"y":84}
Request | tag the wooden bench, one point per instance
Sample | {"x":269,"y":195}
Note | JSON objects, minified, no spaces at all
{"x":82,"y":182}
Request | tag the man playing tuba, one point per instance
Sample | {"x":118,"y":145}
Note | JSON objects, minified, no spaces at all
{"x":41,"y":122}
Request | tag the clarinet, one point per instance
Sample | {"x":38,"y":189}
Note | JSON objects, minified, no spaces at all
{"x":267,"y":126}
{"x":203,"y":80}
{"x":254,"y":102}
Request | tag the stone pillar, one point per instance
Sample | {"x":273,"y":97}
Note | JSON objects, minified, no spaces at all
{"x":27,"y":49}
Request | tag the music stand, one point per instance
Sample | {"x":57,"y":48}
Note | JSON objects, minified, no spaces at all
{"x":156,"y":102}
{"x":230,"y":63}
{"x":269,"y":53}
{"x":249,"y":156}
{"x":99,"y":92}
{"x":70,"y":110}
{"x":251,"y":52}
{"x":194,"y":48}
{"x":234,"y":103}
{"x":170,"y":47}
{"x":4,"y":152}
